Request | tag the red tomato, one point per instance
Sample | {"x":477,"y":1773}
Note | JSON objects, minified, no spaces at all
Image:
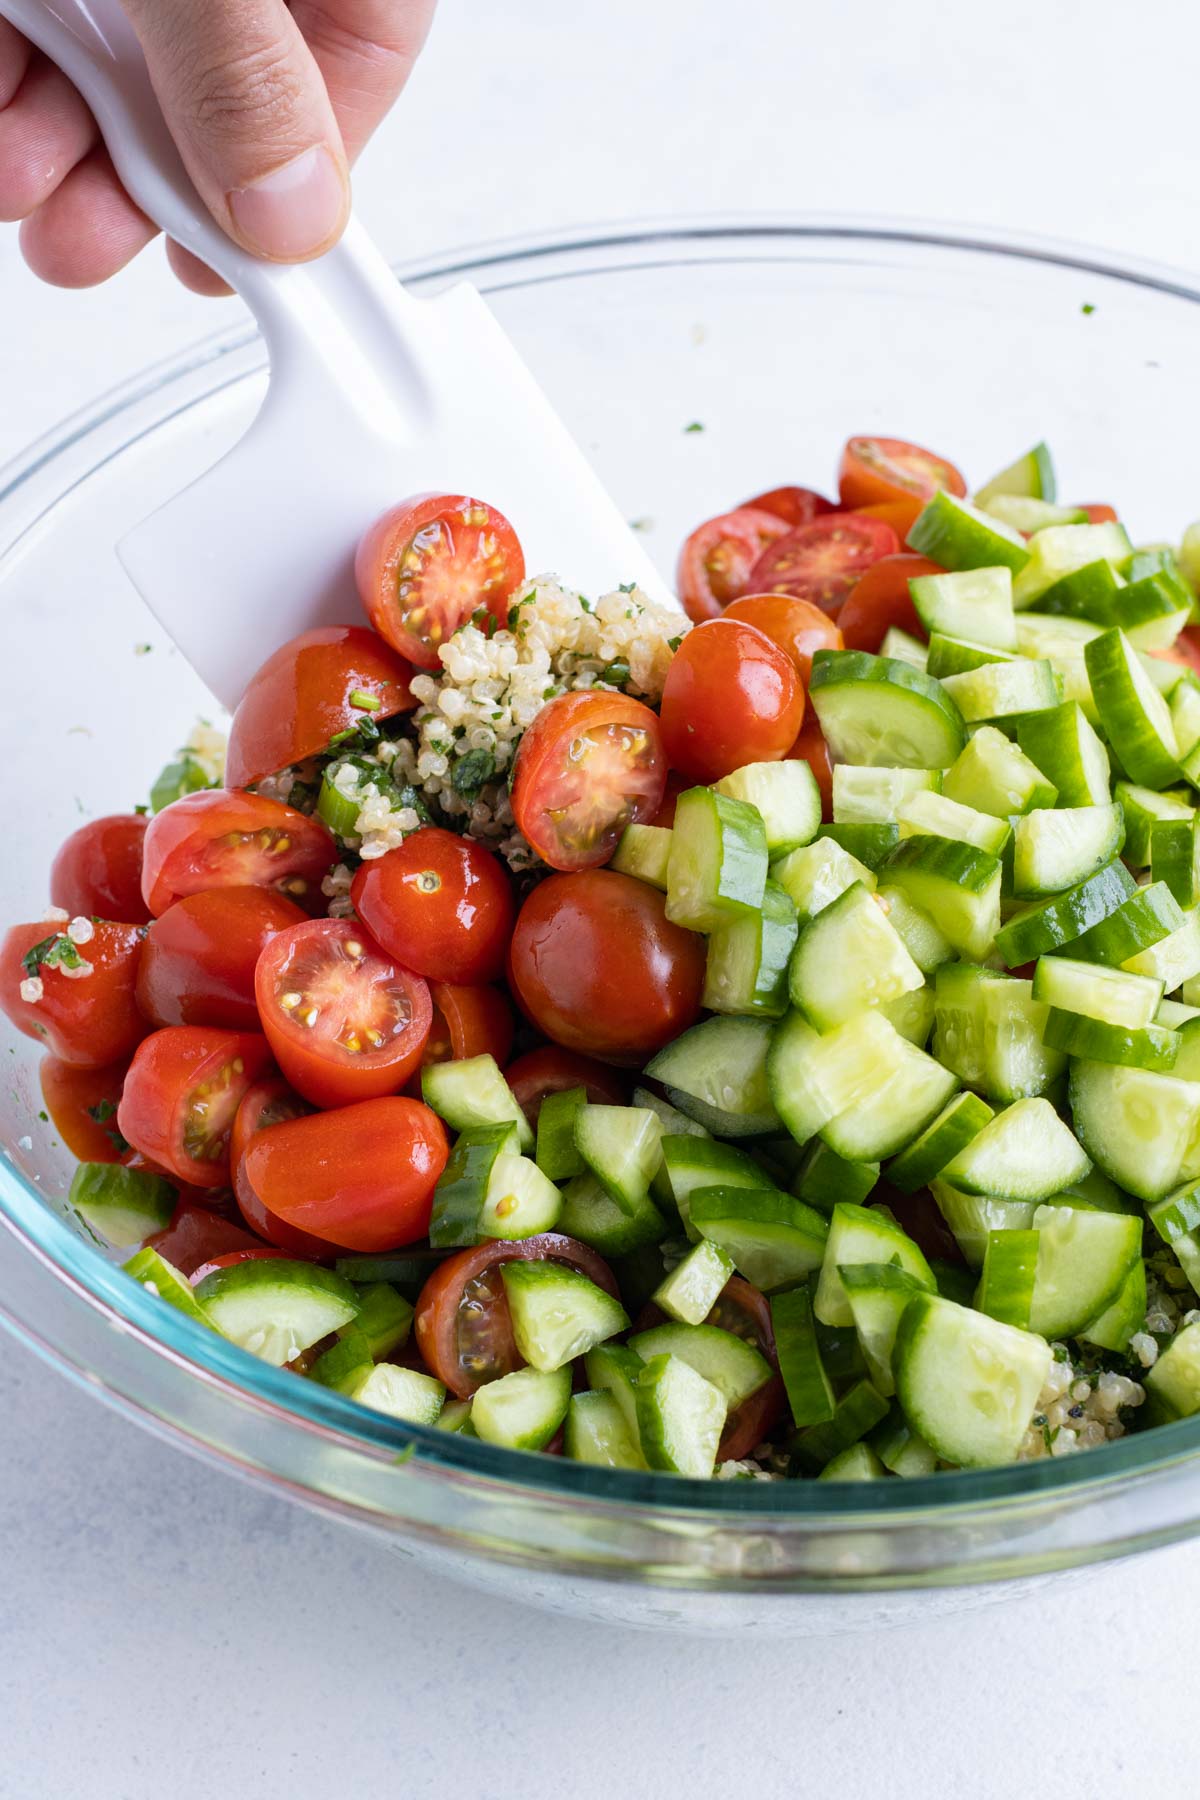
{"x":715,"y":562}
{"x":221,"y":839}
{"x":98,"y":870}
{"x":268,"y":1101}
{"x":1185,"y":650}
{"x":258,"y":1254}
{"x":181,"y":1095}
{"x":918,"y":1215}
{"x":676,"y":785}
{"x":796,"y":505}
{"x":881,"y":599}
{"x":82,"y":1104}
{"x":427,"y":565}
{"x":468,"y":1021}
{"x":439,"y":902}
{"x":199,"y":958}
{"x":810,"y":747}
{"x":901,"y":515}
{"x":731,"y":697}
{"x":462,"y":1324}
{"x":822,"y":561}
{"x":876,"y":469}
{"x":553,"y":1071}
{"x":361,"y":1178}
{"x":743,"y":1310}
{"x":344,"y":1019}
{"x":598,"y":966}
{"x":305,"y":694}
{"x":1099,"y":513}
{"x":198,"y":1235}
{"x":87,"y":1016}
{"x":589,"y":765}
{"x":797,"y":626}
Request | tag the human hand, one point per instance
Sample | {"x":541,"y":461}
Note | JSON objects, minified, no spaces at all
{"x":269,"y":103}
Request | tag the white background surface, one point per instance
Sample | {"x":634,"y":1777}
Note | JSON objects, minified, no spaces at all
{"x":167,"y":1632}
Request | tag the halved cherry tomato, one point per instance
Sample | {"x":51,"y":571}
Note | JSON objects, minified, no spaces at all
{"x":428,"y":564}
{"x":597,"y":965}
{"x":217,"y":838}
{"x":797,"y":505}
{"x":822,"y":561}
{"x":743,"y":1310}
{"x":344,"y":1019}
{"x":85,"y":1015}
{"x":552,"y":1070}
{"x":797,"y":626}
{"x":881,"y":599}
{"x":901,"y":515}
{"x":82,"y":1104}
{"x":589,"y":765}
{"x":198,"y":1235}
{"x":468,"y":1021}
{"x":715,"y":562}
{"x":919,"y":1216}
{"x":268,"y":1101}
{"x":319,"y":684}
{"x":98,"y":870}
{"x":1185,"y":650}
{"x":875,"y":469}
{"x":462,"y":1324}
{"x":810,"y":747}
{"x":360,"y":1178}
{"x":731,"y":697}
{"x":676,"y":784}
{"x":1099,"y":513}
{"x":439,"y":902}
{"x":199,"y":958}
{"x":259,"y":1254}
{"x":181,"y":1095}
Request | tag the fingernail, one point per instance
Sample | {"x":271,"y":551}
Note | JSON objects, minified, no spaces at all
{"x":294,"y":210}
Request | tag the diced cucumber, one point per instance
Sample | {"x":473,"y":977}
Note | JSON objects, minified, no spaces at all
{"x":859,"y":1410}
{"x":912,"y":1014}
{"x":1056,"y":848}
{"x":1009,"y":1273}
{"x":1144,"y":809}
{"x":878,"y":1294}
{"x":598,"y":1433}
{"x":957,"y":884}
{"x":901,"y":646}
{"x":814,"y":876}
{"x":900,"y":1449}
{"x":160,"y":1277}
{"x":557,"y":1313}
{"x":801,"y":1365}
{"x":522,"y":1411}
{"x":407,"y":1270}
{"x":1097,"y":992}
{"x":849,"y":957}
{"x":960,"y":1021}
{"x":1172,"y":1015}
{"x":614,"y":1369}
{"x":959,"y":1121}
{"x":883,"y":714}
{"x":786,"y":797}
{"x":1174,"y":959}
{"x":557,"y":1156}
{"x":1061,"y":550}
{"x":1113,"y":1328}
{"x":1146,"y":916}
{"x":1148,"y":1047}
{"x":926,"y":945}
{"x":825,"y":1178}
{"x":462,"y":1189}
{"x":860,"y":1234}
{"x":590,"y":1214}
{"x":956,"y":656}
{"x":690,"y":1163}
{"x":971,"y":1217}
{"x":1136,"y":717}
{"x":870,"y":844}
{"x":772,"y":1238}
{"x":1025,"y":1152}
{"x":1088,"y":592}
{"x":644,"y":852}
{"x":1138,"y":1127}
{"x":402,"y":1393}
{"x":1064,"y":746}
{"x":872,"y":796}
{"x":680,"y":1417}
{"x":1175,"y":857}
{"x":1064,"y":918}
{"x":969,"y":1384}
{"x":1185,"y":712}
{"x":691,"y":1290}
{"x":455,"y":1416}
{"x":521,"y":1202}
{"x":958,"y":535}
{"x":621,"y":1145}
{"x":993,"y":776}
{"x":276,"y":1308}
{"x":1031,"y":476}
{"x":716,"y":1073}
{"x":1084,"y":1259}
{"x":858,"y":1462}
{"x":988,"y":1028}
{"x":384,"y":1318}
{"x":1173,"y":1384}
{"x":937,"y":815}
{"x":735,"y":1368}
{"x":973,"y":603}
{"x":999,"y":689}
{"x":473,"y":1092}
{"x":345,"y":1363}
{"x":718,"y":862}
{"x":909,"y":1089}
{"x":1027,"y":515}
{"x":123,"y":1206}
{"x":747,"y":963}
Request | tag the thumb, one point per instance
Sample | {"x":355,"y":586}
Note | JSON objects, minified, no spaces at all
{"x":248,"y":109}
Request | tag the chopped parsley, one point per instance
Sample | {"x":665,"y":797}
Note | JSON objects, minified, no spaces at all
{"x":178,"y":778}
{"x":102,"y":1112}
{"x":141,"y":810}
{"x":56,"y":952}
{"x":142,"y":649}
{"x":627,"y":587}
{"x":1087,"y":309}
{"x":616,"y":674}
{"x":471,"y":771}
{"x":355,"y":737}
{"x":485,"y":621}
{"x":586,"y":604}
{"x":674,"y":643}
{"x":44,"y":1117}
{"x":693,"y":427}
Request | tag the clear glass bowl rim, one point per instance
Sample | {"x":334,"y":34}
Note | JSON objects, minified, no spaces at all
{"x":495,"y":266}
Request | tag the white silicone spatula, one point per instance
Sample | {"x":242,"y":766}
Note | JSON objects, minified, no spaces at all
{"x":374,"y":395}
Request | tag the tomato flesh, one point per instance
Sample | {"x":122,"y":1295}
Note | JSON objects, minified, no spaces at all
{"x":181,"y":1096}
{"x":217,"y":838}
{"x":822,"y":561}
{"x":716,"y":560}
{"x":881,"y":599}
{"x":344,"y":1019}
{"x":879,"y":469}
{"x":199,"y":958}
{"x":82,"y":1008}
{"x":439,"y":902}
{"x":98,"y":870}
{"x":731,"y":697}
{"x":468,"y":1021}
{"x":589,"y":765}
{"x":797,"y":627}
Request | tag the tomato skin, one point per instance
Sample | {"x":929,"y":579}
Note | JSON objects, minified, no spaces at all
{"x":468,"y":557}
{"x":821,"y":562}
{"x":199,"y":958}
{"x":442,"y":904}
{"x":877,"y":469}
{"x":743,"y":1309}
{"x":197,"y":1235}
{"x":810,"y":747}
{"x":187,"y":848}
{"x":166,"y":1112}
{"x":259,"y":1254}
{"x":69,"y":1093}
{"x":1099,"y":513}
{"x":86,"y":1020}
{"x":573,"y":933}
{"x":797,"y":627}
{"x":98,"y":870}
{"x":436,"y":1322}
{"x":550,"y":1070}
{"x":795,"y":505}
{"x":716,"y":560}
{"x":901,"y":515}
{"x":468,"y":1021}
{"x":353,"y":986}
{"x":300,"y":698}
{"x":676,"y":785}
{"x":731,"y":697}
{"x":360,"y":1178}
{"x":881,"y":599}
{"x":267,"y":1101}
{"x":1185,"y":649}
{"x":589,"y":765}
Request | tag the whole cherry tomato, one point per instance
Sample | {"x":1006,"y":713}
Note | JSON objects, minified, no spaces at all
{"x":77,"y":999}
{"x":98,"y":870}
{"x":217,"y":838}
{"x":468,"y":1021}
{"x":442,"y":904}
{"x":798,"y":627}
{"x":731,"y":697}
{"x":589,"y":765}
{"x":199,"y":958}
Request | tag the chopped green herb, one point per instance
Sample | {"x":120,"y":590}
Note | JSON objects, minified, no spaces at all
{"x":586,"y":604}
{"x":485,"y":621}
{"x":644,"y":524}
{"x":361,"y":701}
{"x":44,"y":1117}
{"x":616,"y":674}
{"x":102,"y":1111}
{"x":55,"y":952}
{"x":674,"y":643}
{"x":141,"y":810}
{"x":471,"y":771}
{"x":1087,"y":308}
{"x":627,"y":587}
{"x":142,"y":649}
{"x":179,"y":778}
{"x":693,"y":427}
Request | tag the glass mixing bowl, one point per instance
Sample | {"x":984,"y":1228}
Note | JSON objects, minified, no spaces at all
{"x":779,"y":339}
